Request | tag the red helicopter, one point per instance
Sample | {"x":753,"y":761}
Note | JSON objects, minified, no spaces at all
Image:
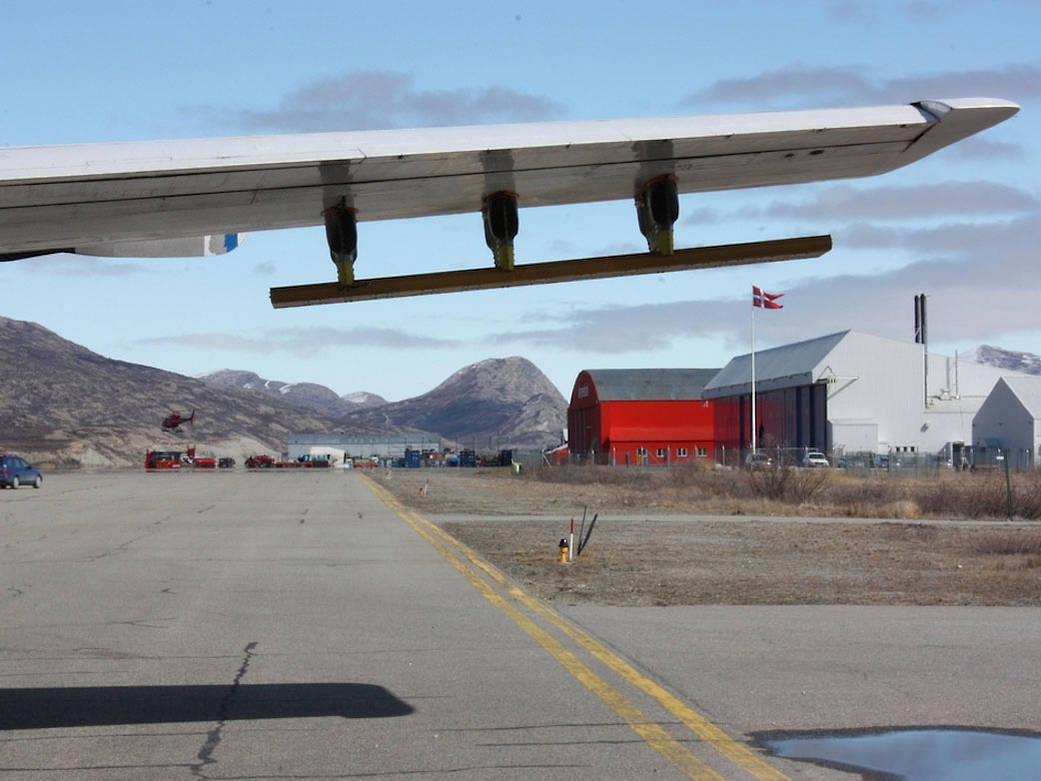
{"x":175,"y":419}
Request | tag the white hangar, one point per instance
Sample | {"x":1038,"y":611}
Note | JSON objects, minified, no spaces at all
{"x":852,"y":392}
{"x":1010,"y":420}
{"x":339,"y":446}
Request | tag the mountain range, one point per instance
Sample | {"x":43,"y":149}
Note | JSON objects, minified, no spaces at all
{"x":498,"y":402}
{"x":63,"y":405}
{"x":300,"y":394}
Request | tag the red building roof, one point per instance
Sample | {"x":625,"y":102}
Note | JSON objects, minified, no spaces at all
{"x":641,"y":415}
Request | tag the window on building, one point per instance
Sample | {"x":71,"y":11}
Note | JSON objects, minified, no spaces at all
{"x":702,"y":452}
{"x":660,"y":452}
{"x":641,"y":451}
{"x":681,"y":452}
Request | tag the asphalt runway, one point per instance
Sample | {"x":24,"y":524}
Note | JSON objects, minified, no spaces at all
{"x":303,"y":625}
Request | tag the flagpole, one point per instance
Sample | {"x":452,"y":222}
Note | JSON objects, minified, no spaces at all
{"x":764,"y":300}
{"x":753,"y":375}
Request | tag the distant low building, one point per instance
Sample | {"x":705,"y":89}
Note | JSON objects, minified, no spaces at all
{"x":640,"y":416}
{"x":339,"y":445}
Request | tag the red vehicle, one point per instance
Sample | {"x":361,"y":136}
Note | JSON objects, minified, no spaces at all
{"x":175,"y":459}
{"x":260,"y":462}
{"x":201,"y":462}
{"x":175,"y":419}
{"x":163,"y":459}
{"x":303,"y":462}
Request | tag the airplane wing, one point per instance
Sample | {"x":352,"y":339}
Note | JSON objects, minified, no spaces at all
{"x":129,"y":198}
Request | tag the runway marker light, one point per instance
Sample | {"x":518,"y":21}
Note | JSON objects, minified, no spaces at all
{"x":563,"y":551}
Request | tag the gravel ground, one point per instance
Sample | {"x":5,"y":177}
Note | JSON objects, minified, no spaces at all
{"x":643,"y":551}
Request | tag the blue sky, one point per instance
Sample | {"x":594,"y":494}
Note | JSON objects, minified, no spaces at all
{"x":962,"y":226}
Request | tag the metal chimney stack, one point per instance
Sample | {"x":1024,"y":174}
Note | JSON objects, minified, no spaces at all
{"x":921,"y":337}
{"x":919,"y":319}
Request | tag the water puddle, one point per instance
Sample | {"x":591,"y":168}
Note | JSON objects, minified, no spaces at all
{"x":952,"y":754}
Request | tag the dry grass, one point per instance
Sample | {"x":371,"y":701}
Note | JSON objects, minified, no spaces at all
{"x":686,"y":560}
{"x":1009,"y":550}
{"x":759,"y":563}
{"x":820,"y":492}
{"x":787,"y":484}
{"x":1010,"y":542}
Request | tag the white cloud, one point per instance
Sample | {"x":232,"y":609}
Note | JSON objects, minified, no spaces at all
{"x":67,"y":265}
{"x":302,"y":341}
{"x":802,"y":86}
{"x":977,"y":148}
{"x":370,"y":99}
{"x":979,"y":278}
{"x":904,"y":202}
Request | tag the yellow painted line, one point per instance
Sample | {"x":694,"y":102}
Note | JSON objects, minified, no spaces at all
{"x":740,"y":755}
{"x":651,"y":732}
{"x":713,"y":735}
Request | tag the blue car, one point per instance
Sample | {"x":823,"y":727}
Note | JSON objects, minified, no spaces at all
{"x":16,"y":471}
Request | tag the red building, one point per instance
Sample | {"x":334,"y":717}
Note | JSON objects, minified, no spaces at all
{"x":640,"y":416}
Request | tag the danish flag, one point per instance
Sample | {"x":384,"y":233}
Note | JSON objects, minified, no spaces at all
{"x":765,"y":300}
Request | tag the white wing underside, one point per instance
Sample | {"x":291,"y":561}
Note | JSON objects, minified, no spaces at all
{"x":93,"y":195}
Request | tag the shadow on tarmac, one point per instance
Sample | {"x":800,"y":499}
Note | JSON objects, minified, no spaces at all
{"x":103,"y":705}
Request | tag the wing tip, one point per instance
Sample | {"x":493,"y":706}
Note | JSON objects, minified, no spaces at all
{"x":999,"y":108}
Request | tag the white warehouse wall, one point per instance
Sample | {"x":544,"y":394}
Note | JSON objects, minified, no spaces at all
{"x":1011,"y":416}
{"x":882,"y":382}
{"x":876,"y":390}
{"x":875,"y":380}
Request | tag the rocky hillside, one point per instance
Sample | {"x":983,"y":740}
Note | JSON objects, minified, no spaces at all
{"x":63,"y":405}
{"x":1028,"y":363}
{"x":301,"y":394}
{"x":499,"y":402}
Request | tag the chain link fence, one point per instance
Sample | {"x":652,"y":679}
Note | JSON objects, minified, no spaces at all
{"x":897,"y":462}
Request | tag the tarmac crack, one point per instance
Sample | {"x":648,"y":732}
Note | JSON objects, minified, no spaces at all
{"x":121,"y":548}
{"x":213,"y":737}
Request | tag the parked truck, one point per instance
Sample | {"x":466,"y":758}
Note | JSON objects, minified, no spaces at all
{"x":176,"y":459}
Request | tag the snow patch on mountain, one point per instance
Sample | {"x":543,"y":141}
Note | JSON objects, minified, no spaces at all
{"x":1027,"y":363}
